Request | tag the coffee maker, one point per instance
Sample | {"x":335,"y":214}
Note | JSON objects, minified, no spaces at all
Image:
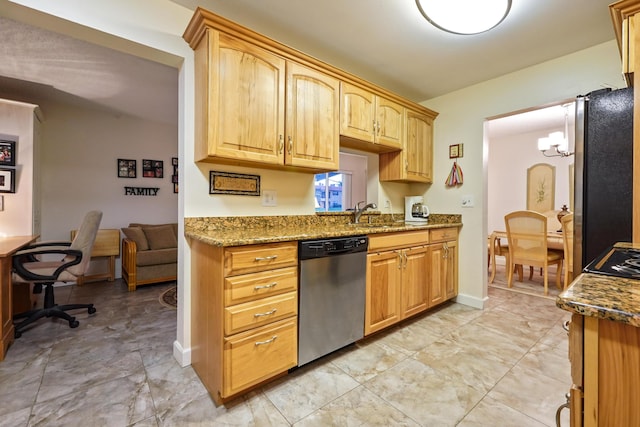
{"x":415,"y":210}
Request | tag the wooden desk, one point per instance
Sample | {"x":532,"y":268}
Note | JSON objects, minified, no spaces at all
{"x":8,"y":246}
{"x":554,"y":241}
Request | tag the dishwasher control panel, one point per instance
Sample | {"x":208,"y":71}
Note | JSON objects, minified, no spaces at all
{"x":308,"y":249}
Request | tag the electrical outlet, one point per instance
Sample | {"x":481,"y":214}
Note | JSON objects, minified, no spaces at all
{"x":467,"y":201}
{"x":387,"y":203}
{"x":269,"y":198}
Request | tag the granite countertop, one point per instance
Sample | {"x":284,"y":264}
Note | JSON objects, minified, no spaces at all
{"x":237,"y":231}
{"x":605,"y":297}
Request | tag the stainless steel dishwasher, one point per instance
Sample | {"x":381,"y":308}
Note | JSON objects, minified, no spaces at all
{"x":332,"y":295}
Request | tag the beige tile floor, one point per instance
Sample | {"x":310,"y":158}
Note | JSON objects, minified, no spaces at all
{"x":456,"y":366}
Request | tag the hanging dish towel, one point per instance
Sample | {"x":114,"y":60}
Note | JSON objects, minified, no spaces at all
{"x":455,"y":176}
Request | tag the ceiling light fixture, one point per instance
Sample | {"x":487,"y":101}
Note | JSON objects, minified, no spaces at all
{"x":464,"y":16}
{"x":557,"y":140}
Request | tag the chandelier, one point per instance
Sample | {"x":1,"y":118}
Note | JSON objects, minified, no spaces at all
{"x":559,"y":141}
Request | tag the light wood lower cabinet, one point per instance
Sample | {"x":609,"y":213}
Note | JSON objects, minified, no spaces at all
{"x":244,"y":314}
{"x":406,"y":275}
{"x":443,"y":254}
{"x":605,"y":368}
{"x":259,"y":354}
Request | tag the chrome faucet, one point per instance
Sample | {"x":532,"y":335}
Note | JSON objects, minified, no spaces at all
{"x":357,"y":211}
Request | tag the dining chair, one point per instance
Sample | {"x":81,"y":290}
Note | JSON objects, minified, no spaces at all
{"x":499,"y":249}
{"x":527,"y":239}
{"x":567,"y":239}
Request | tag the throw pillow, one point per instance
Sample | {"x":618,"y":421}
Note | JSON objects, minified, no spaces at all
{"x":137,"y":235}
{"x":160,"y":237}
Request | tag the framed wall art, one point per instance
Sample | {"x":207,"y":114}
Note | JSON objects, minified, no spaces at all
{"x":234,"y":183}
{"x":126,"y":168}
{"x":7,"y":153}
{"x":7,"y":180}
{"x":152,"y":168}
{"x":541,"y":187}
{"x":174,"y":177}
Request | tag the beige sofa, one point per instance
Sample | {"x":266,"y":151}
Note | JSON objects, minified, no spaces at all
{"x":149,"y":254}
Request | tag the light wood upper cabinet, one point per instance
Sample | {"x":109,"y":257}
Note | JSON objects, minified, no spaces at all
{"x":240,"y":101}
{"x":242,"y":91}
{"x":415,"y":162}
{"x":262,"y":103}
{"x":366,"y":118}
{"x":313,"y":114}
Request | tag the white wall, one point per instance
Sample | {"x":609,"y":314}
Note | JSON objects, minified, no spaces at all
{"x":80,"y":148}
{"x":17,"y":123}
{"x":461,"y":120}
{"x":509,"y":159}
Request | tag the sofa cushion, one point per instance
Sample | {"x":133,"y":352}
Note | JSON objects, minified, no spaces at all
{"x":155,"y":257}
{"x":160,"y":236}
{"x":137,"y":235}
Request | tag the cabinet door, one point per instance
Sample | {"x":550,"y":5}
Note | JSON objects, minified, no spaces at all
{"x":438,"y":272}
{"x":415,"y":280}
{"x":418,"y":148}
{"x":357,"y":112}
{"x":450,"y":269}
{"x":414,"y":163}
{"x":313,"y":114}
{"x":389,"y":123}
{"x":382,"y":305}
{"x":246,"y":114}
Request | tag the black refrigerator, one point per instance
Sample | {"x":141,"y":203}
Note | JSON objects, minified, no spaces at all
{"x":603,"y":177}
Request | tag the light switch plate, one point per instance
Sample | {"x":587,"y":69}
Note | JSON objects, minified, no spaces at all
{"x":467,"y":201}
{"x":269,"y":198}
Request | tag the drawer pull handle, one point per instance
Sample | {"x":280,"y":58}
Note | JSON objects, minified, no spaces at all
{"x":268,"y":313}
{"x":566,"y":324}
{"x":270,"y":285}
{"x":266,"y":258}
{"x":269,"y":341}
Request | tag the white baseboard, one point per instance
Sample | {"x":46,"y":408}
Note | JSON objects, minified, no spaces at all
{"x":181,"y":355}
{"x":471,"y":301}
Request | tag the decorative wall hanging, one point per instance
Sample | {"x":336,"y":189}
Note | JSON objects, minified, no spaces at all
{"x":455,"y":177}
{"x":141,"y":191}
{"x":152,"y":168}
{"x":126,"y":168}
{"x":174,"y":177}
{"x":7,"y":153}
{"x":7,"y":180}
{"x":234,"y":183}
{"x":541,"y":187}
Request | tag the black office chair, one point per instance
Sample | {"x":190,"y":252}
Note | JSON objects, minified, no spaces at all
{"x":31,"y":265}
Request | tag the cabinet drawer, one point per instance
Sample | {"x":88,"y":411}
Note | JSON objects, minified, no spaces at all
{"x":444,"y":234}
{"x":248,"y":287}
{"x":241,"y":317}
{"x":249,"y":259}
{"x":395,"y":240}
{"x":257,"y":355}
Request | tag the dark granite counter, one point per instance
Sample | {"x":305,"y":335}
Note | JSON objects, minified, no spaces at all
{"x":237,"y":231}
{"x":605,"y":297}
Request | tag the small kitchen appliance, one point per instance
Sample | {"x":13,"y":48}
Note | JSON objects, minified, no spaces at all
{"x":415,"y":210}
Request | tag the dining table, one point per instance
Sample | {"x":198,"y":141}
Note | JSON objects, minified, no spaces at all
{"x":554,"y":241}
